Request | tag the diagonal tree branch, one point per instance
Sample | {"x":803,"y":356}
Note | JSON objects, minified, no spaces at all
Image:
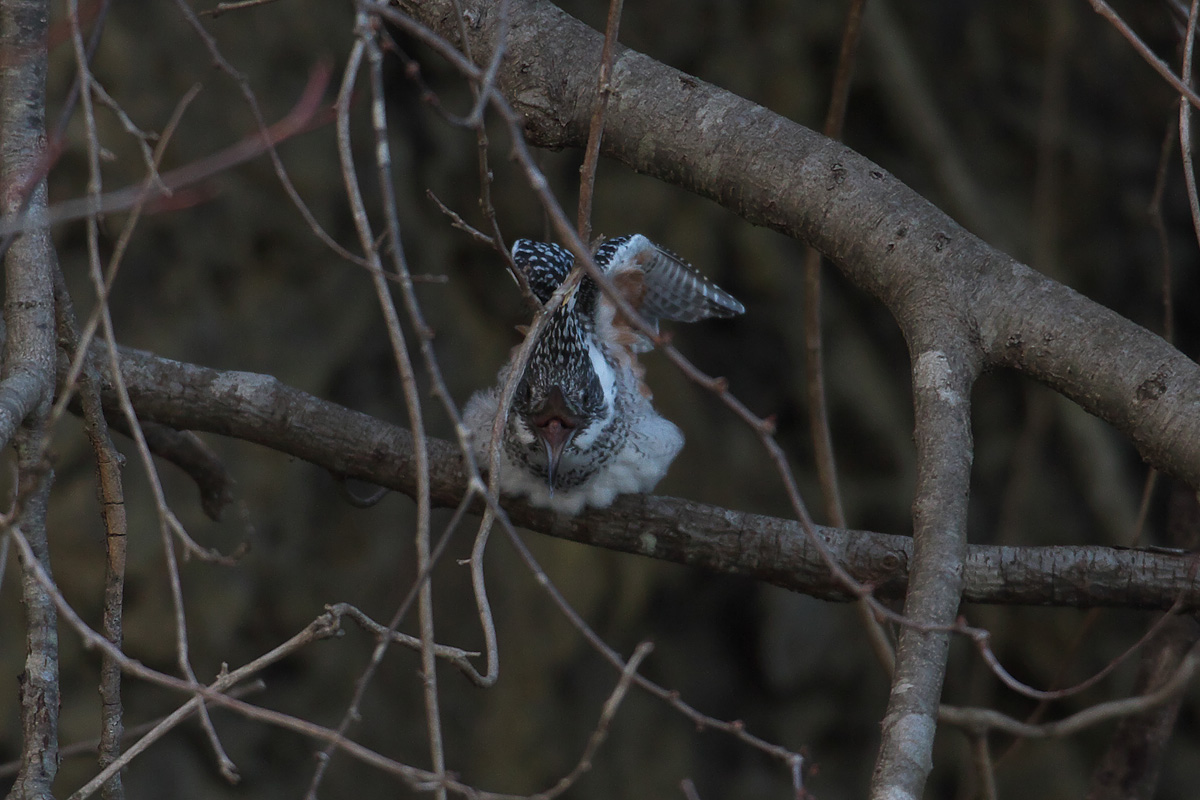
{"x":884,"y":236}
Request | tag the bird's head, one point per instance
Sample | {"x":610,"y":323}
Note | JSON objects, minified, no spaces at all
{"x":560,"y":399}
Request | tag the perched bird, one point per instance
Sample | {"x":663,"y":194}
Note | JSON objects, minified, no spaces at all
{"x":582,"y":429}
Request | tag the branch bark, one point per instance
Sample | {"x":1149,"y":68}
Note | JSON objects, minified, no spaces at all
{"x":27,"y":379}
{"x":942,"y":382}
{"x":112,"y":511}
{"x":260,"y":409}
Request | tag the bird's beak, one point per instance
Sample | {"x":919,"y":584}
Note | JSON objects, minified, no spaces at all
{"x":556,"y":426}
{"x":555,"y":437}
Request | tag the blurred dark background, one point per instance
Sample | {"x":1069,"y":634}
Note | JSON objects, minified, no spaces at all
{"x":1034,"y":124}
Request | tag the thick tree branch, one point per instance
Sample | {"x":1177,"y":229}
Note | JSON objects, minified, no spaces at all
{"x":942,"y":381}
{"x":260,"y":409}
{"x":884,"y":236}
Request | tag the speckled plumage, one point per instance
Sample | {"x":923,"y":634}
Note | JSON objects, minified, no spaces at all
{"x":582,"y":428}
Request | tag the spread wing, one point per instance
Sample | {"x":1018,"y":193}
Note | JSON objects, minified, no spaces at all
{"x":673,"y":288}
{"x":676,"y":291}
{"x":543,"y":264}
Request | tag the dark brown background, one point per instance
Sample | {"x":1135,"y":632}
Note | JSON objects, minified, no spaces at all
{"x":1059,"y":127}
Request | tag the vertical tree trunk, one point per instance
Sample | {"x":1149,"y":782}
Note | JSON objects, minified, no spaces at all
{"x":28,"y":371}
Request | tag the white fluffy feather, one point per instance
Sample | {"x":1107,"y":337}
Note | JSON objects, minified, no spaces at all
{"x":637,"y":466}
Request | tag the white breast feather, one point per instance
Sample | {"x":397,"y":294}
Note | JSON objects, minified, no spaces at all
{"x":638,"y":466}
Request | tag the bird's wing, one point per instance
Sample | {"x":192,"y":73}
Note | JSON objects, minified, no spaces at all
{"x":671,"y":287}
{"x":675,"y":290}
{"x":543,"y":264}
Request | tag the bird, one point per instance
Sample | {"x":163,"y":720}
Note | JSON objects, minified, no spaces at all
{"x":582,"y":428}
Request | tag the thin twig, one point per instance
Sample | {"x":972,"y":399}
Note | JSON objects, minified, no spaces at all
{"x":486,"y":84}
{"x":281,"y":172}
{"x":88,"y":747}
{"x":1185,"y":123}
{"x":982,"y":638}
{"x":591,"y":152}
{"x":364,"y":46}
{"x":452,"y":655}
{"x":168,"y":522}
{"x":735,"y":728}
{"x":240,"y":5}
{"x":598,"y":736}
{"x":981,"y":755}
{"x":458,"y":222}
{"x":1160,"y":228}
{"x":981,"y":719}
{"x":482,"y":145}
{"x":112,"y":510}
{"x":142,"y":138}
{"x":814,"y":362}
{"x":1105,"y":10}
{"x":304,"y":116}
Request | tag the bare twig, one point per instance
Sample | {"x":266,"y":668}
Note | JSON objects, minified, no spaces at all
{"x":142,"y":138}
{"x":1185,"y":123}
{"x":814,"y":361}
{"x":480,"y":88}
{"x":1105,"y":10}
{"x":241,"y":5}
{"x":981,"y":754}
{"x":365,"y":45}
{"x":601,"y":732}
{"x":1160,"y":228}
{"x":987,"y":719}
{"x":458,"y":222}
{"x":112,"y":510}
{"x":88,"y":747}
{"x":814,"y":364}
{"x":453,"y":655}
{"x":483,"y":88}
{"x":304,"y":116}
{"x":210,"y":43}
{"x":169,"y":525}
{"x":591,"y":151}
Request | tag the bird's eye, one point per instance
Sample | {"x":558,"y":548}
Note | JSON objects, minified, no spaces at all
{"x":522,"y":398}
